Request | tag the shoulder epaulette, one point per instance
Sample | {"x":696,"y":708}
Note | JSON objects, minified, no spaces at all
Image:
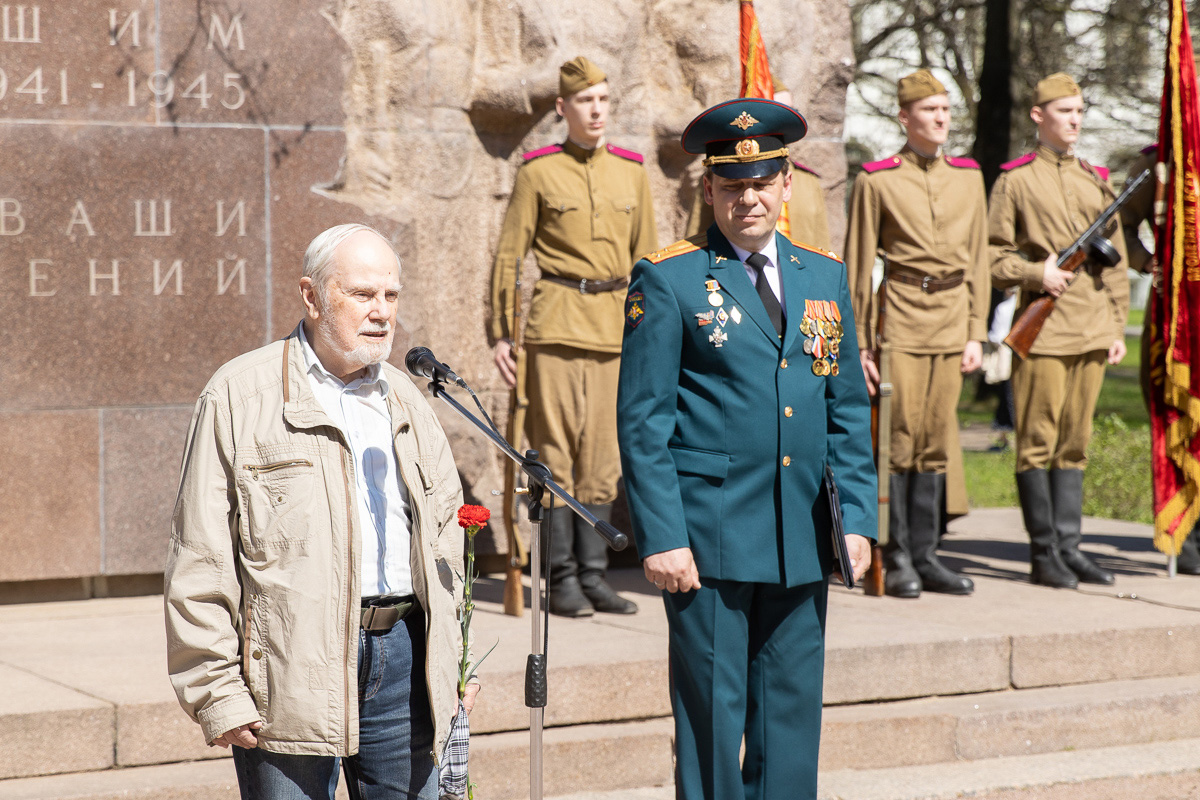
{"x":1150,"y":148}
{"x":810,"y":248}
{"x":1018,"y":162}
{"x":962,"y":162}
{"x":544,"y":151}
{"x":887,"y":163}
{"x":1099,"y":172}
{"x":803,"y":168}
{"x":623,"y":153}
{"x":689,"y":245}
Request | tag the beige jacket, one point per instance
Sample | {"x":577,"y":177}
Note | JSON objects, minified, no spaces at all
{"x":262,"y":578}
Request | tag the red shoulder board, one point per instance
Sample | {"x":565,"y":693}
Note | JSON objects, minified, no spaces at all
{"x":1018,"y":162}
{"x":962,"y":162}
{"x":623,"y":153}
{"x":1099,"y":172}
{"x":887,"y":163}
{"x":545,"y":151}
{"x":809,"y":170}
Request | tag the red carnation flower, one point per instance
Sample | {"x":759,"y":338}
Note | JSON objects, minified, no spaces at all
{"x":473,"y":516}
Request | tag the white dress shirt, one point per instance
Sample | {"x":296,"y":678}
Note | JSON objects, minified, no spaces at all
{"x":770,"y":271}
{"x":360,"y":411}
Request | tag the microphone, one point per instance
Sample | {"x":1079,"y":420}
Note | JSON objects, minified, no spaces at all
{"x":421,"y":362}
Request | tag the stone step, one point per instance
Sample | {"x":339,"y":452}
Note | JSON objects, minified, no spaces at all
{"x":1011,"y":723}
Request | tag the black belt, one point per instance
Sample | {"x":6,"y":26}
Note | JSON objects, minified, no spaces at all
{"x":928,"y":283}
{"x":586,"y":286}
{"x":381,"y":613}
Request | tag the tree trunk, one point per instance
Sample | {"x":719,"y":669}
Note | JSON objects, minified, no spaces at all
{"x":994,"y":114}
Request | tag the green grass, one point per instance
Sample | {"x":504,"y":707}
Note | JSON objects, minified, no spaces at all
{"x":1117,"y":481}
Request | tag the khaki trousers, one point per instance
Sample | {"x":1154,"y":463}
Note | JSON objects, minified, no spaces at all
{"x":1055,"y":398}
{"x":572,"y":419}
{"x":925,"y":389}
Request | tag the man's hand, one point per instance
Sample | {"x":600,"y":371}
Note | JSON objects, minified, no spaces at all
{"x":503,"y":356}
{"x":870,"y":371}
{"x":243,"y":736}
{"x":1054,"y":280}
{"x":860,"y":554}
{"x":673,"y":570}
{"x":1116,"y":351}
{"x":972,"y":357}
{"x":468,"y":698}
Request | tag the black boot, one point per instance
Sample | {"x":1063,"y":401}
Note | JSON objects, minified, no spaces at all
{"x":926,"y":493}
{"x":592,"y":552}
{"x":900,"y":579}
{"x":566,"y":595}
{"x":1046,"y":565}
{"x":1188,"y":561}
{"x":1066,"y":492}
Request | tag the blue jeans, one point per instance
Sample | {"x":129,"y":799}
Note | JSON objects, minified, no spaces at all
{"x":395,"y":732}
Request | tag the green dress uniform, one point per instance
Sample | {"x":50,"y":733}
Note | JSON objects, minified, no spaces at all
{"x":928,"y":218}
{"x":1040,"y":204}
{"x":588,"y":216}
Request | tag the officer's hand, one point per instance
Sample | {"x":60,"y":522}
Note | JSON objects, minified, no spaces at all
{"x":468,"y":698}
{"x":1054,"y":280}
{"x":870,"y":371}
{"x":972,"y":358}
{"x":505,"y":362}
{"x":860,"y":554}
{"x":243,"y":736}
{"x":1116,"y":351}
{"x":673,"y":570}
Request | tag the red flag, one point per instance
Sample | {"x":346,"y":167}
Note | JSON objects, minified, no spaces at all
{"x":1175,"y":310}
{"x":756,"y":76}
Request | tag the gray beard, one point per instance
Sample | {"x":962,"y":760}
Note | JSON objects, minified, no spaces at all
{"x":364,"y":355}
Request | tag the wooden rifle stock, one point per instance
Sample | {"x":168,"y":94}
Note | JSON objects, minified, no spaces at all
{"x":1027,"y":327}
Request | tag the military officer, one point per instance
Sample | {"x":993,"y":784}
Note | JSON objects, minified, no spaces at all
{"x":584,"y":207}
{"x":734,"y":395}
{"x":1040,"y":204}
{"x":926,"y":213}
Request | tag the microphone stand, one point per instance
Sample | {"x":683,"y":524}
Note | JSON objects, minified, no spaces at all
{"x":540,"y":480}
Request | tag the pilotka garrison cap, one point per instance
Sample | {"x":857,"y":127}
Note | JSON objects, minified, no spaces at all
{"x":745,"y":138}
{"x":918,"y":86}
{"x":578,"y":74}
{"x":1052,"y":87}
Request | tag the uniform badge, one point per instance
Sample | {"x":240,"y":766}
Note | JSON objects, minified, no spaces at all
{"x":718,"y":337}
{"x":722,"y":317}
{"x":710,"y":285}
{"x":744,"y":121}
{"x":822,"y":324}
{"x":705,"y":318}
{"x":635,"y":308}
{"x":735,"y":314}
{"x":715,"y":299}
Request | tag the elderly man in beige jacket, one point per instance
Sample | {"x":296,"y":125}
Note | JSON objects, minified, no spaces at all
{"x":314,"y":568}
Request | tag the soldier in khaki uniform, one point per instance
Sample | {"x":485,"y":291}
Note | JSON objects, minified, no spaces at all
{"x":584,"y":207}
{"x":926,"y":213}
{"x":1040,"y":204}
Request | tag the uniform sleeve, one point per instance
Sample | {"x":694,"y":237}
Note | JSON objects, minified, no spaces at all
{"x":644,"y":239}
{"x":516,"y":236}
{"x":202,"y":594}
{"x":811,"y":209}
{"x":1009,"y":267}
{"x":848,"y":449}
{"x":698,"y":219}
{"x":647,"y":394}
{"x":862,"y":245}
{"x":979,"y":283}
{"x":1139,"y":208}
{"x":1116,"y":281}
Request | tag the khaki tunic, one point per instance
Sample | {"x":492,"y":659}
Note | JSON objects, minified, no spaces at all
{"x":806,"y":211}
{"x":586,"y":214}
{"x":1041,"y":207}
{"x":1139,"y":207}
{"x":928,"y":217}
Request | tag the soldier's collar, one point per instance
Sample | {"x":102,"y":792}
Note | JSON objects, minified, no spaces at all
{"x":910,"y":154}
{"x":1054,"y":154}
{"x":581,"y":153}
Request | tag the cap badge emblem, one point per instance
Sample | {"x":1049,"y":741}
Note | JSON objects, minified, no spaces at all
{"x":744,"y":121}
{"x":747,"y":147}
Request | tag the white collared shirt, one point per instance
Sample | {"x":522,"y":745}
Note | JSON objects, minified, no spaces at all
{"x":770,"y":271}
{"x":360,"y":411}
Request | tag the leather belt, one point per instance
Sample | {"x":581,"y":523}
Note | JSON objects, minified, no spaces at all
{"x":928,"y":283}
{"x":586,"y":286}
{"x":380,"y":614}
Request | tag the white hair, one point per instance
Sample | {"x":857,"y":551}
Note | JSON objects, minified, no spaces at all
{"x":318,"y":258}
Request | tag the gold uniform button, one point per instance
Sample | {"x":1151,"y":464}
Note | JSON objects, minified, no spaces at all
{"x":783,"y":364}
{"x":787,"y":461}
{"x":787,"y":412}
{"x":257,"y":655}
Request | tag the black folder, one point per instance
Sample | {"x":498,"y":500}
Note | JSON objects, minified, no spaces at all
{"x":841,"y":555}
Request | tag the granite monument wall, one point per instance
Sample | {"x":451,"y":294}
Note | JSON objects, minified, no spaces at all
{"x":163,"y":164}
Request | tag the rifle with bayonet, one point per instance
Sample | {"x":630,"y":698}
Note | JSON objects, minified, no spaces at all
{"x":514,"y":593}
{"x":1091,"y":244}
